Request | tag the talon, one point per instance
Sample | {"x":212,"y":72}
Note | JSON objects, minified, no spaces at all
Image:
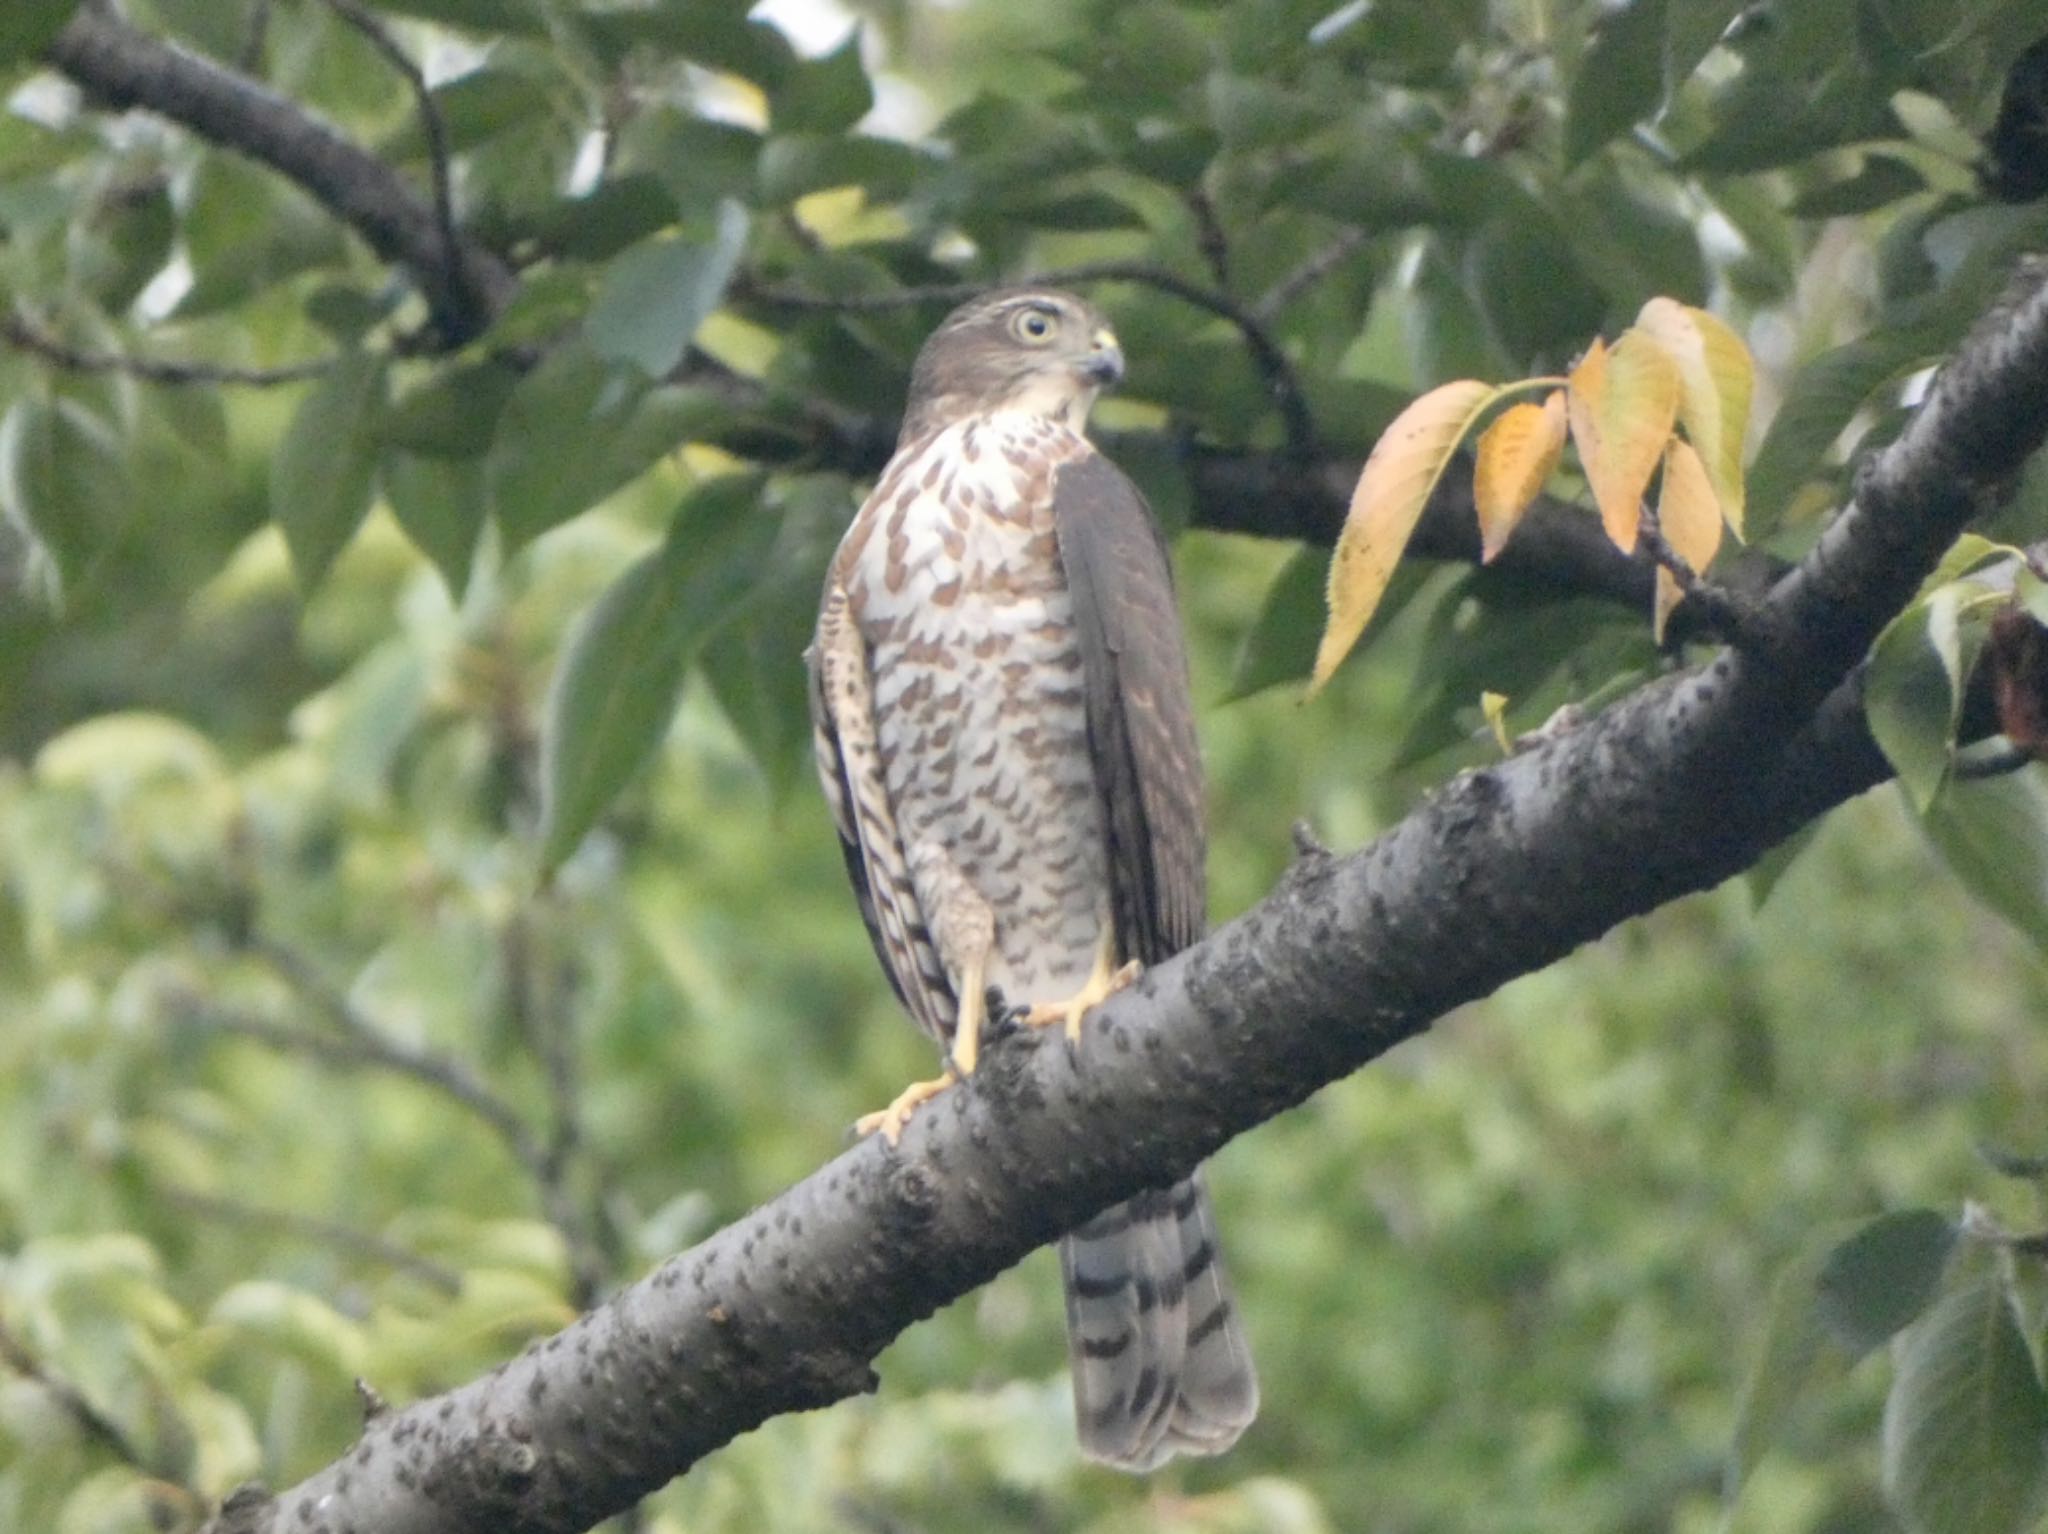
{"x":890,"y":1120}
{"x":1103,"y":982}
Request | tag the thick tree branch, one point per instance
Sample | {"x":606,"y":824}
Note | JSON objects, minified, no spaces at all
{"x":123,"y":67}
{"x":1284,"y":495}
{"x":1504,"y":870}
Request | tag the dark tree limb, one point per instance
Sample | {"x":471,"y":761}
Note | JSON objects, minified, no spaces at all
{"x":1285,"y":494}
{"x":1281,"y":495}
{"x":1502,"y":871}
{"x":432,"y":126}
{"x":122,"y":67}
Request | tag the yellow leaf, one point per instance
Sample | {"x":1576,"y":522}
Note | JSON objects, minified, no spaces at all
{"x":1494,"y":705}
{"x":1716,"y":378}
{"x":1689,"y":516}
{"x":1404,"y":467}
{"x":1623,"y":404}
{"x":1516,"y":454}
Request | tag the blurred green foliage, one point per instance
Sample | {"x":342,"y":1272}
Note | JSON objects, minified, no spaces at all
{"x":310,"y":1076}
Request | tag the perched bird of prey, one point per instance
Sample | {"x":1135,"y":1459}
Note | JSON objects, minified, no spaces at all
{"x":1004,"y":730}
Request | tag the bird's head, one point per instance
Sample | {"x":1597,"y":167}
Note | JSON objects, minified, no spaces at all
{"x":1035,"y":350}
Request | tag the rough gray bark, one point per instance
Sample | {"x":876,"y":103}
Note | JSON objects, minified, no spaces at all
{"x":1504,"y":870}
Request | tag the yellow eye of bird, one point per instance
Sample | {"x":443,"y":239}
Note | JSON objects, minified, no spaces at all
{"x":1034,"y":324}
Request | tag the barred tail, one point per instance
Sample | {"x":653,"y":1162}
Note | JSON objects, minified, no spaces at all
{"x":1160,"y":1362}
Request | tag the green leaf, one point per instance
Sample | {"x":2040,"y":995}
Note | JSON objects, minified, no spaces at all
{"x":135,"y":229}
{"x":754,"y":665}
{"x":455,"y":413}
{"x":1966,"y":1423}
{"x":473,"y":107}
{"x":325,"y":470}
{"x":721,"y":37}
{"x":1877,"y":1281}
{"x":291,"y":1322}
{"x":1768,"y":872}
{"x":442,"y":505}
{"x":1620,"y":79}
{"x":794,"y":165}
{"x":1531,"y":291}
{"x":1824,"y":397}
{"x":522,"y":17}
{"x":1251,"y":113}
{"x":546,"y":302}
{"x":1910,"y":695}
{"x":244,"y":230}
{"x":1993,"y":835}
{"x":1691,"y":30}
{"x":1794,"y":1357}
{"x":1881,"y":179}
{"x":1791,"y":105}
{"x":610,"y":216}
{"x":574,"y":431}
{"x":696,"y":160}
{"x":823,"y":95}
{"x":623,"y":663}
{"x":26,"y":26}
{"x":1447,"y":336}
{"x":655,"y":295}
{"x":64,"y":477}
{"x":1280,"y":646}
{"x":2011,"y":1163}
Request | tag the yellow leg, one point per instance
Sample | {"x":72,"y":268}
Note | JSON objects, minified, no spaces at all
{"x":966,"y":1054}
{"x":1103,"y":982}
{"x":972,"y":1014}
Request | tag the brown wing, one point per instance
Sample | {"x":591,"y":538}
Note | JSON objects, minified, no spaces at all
{"x":1141,"y":717}
{"x":849,"y":766}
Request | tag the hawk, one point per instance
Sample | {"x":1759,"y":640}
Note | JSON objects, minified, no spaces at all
{"x":1005,"y":735}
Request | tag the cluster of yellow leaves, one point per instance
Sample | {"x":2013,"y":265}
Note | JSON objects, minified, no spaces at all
{"x":1676,"y":370}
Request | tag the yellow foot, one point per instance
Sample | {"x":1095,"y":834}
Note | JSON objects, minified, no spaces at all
{"x":891,"y":1119}
{"x":1102,"y":984}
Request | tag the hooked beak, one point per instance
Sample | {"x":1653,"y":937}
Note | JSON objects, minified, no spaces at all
{"x":1105,"y":364}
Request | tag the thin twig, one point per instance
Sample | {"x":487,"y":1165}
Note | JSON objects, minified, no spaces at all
{"x":24,"y":334}
{"x":363,"y":1042}
{"x":365,"y":1047}
{"x":1308,"y":274}
{"x":802,"y":232}
{"x":310,"y":1228}
{"x":1210,"y":239}
{"x":1267,"y":355}
{"x":1992,"y":764}
{"x":254,"y":39}
{"x":1719,"y":609}
{"x":120,"y":66}
{"x":73,"y":1402}
{"x":432,"y":123}
{"x":538,"y":996}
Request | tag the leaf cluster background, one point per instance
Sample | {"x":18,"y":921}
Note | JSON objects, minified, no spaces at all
{"x":307,"y":1075}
